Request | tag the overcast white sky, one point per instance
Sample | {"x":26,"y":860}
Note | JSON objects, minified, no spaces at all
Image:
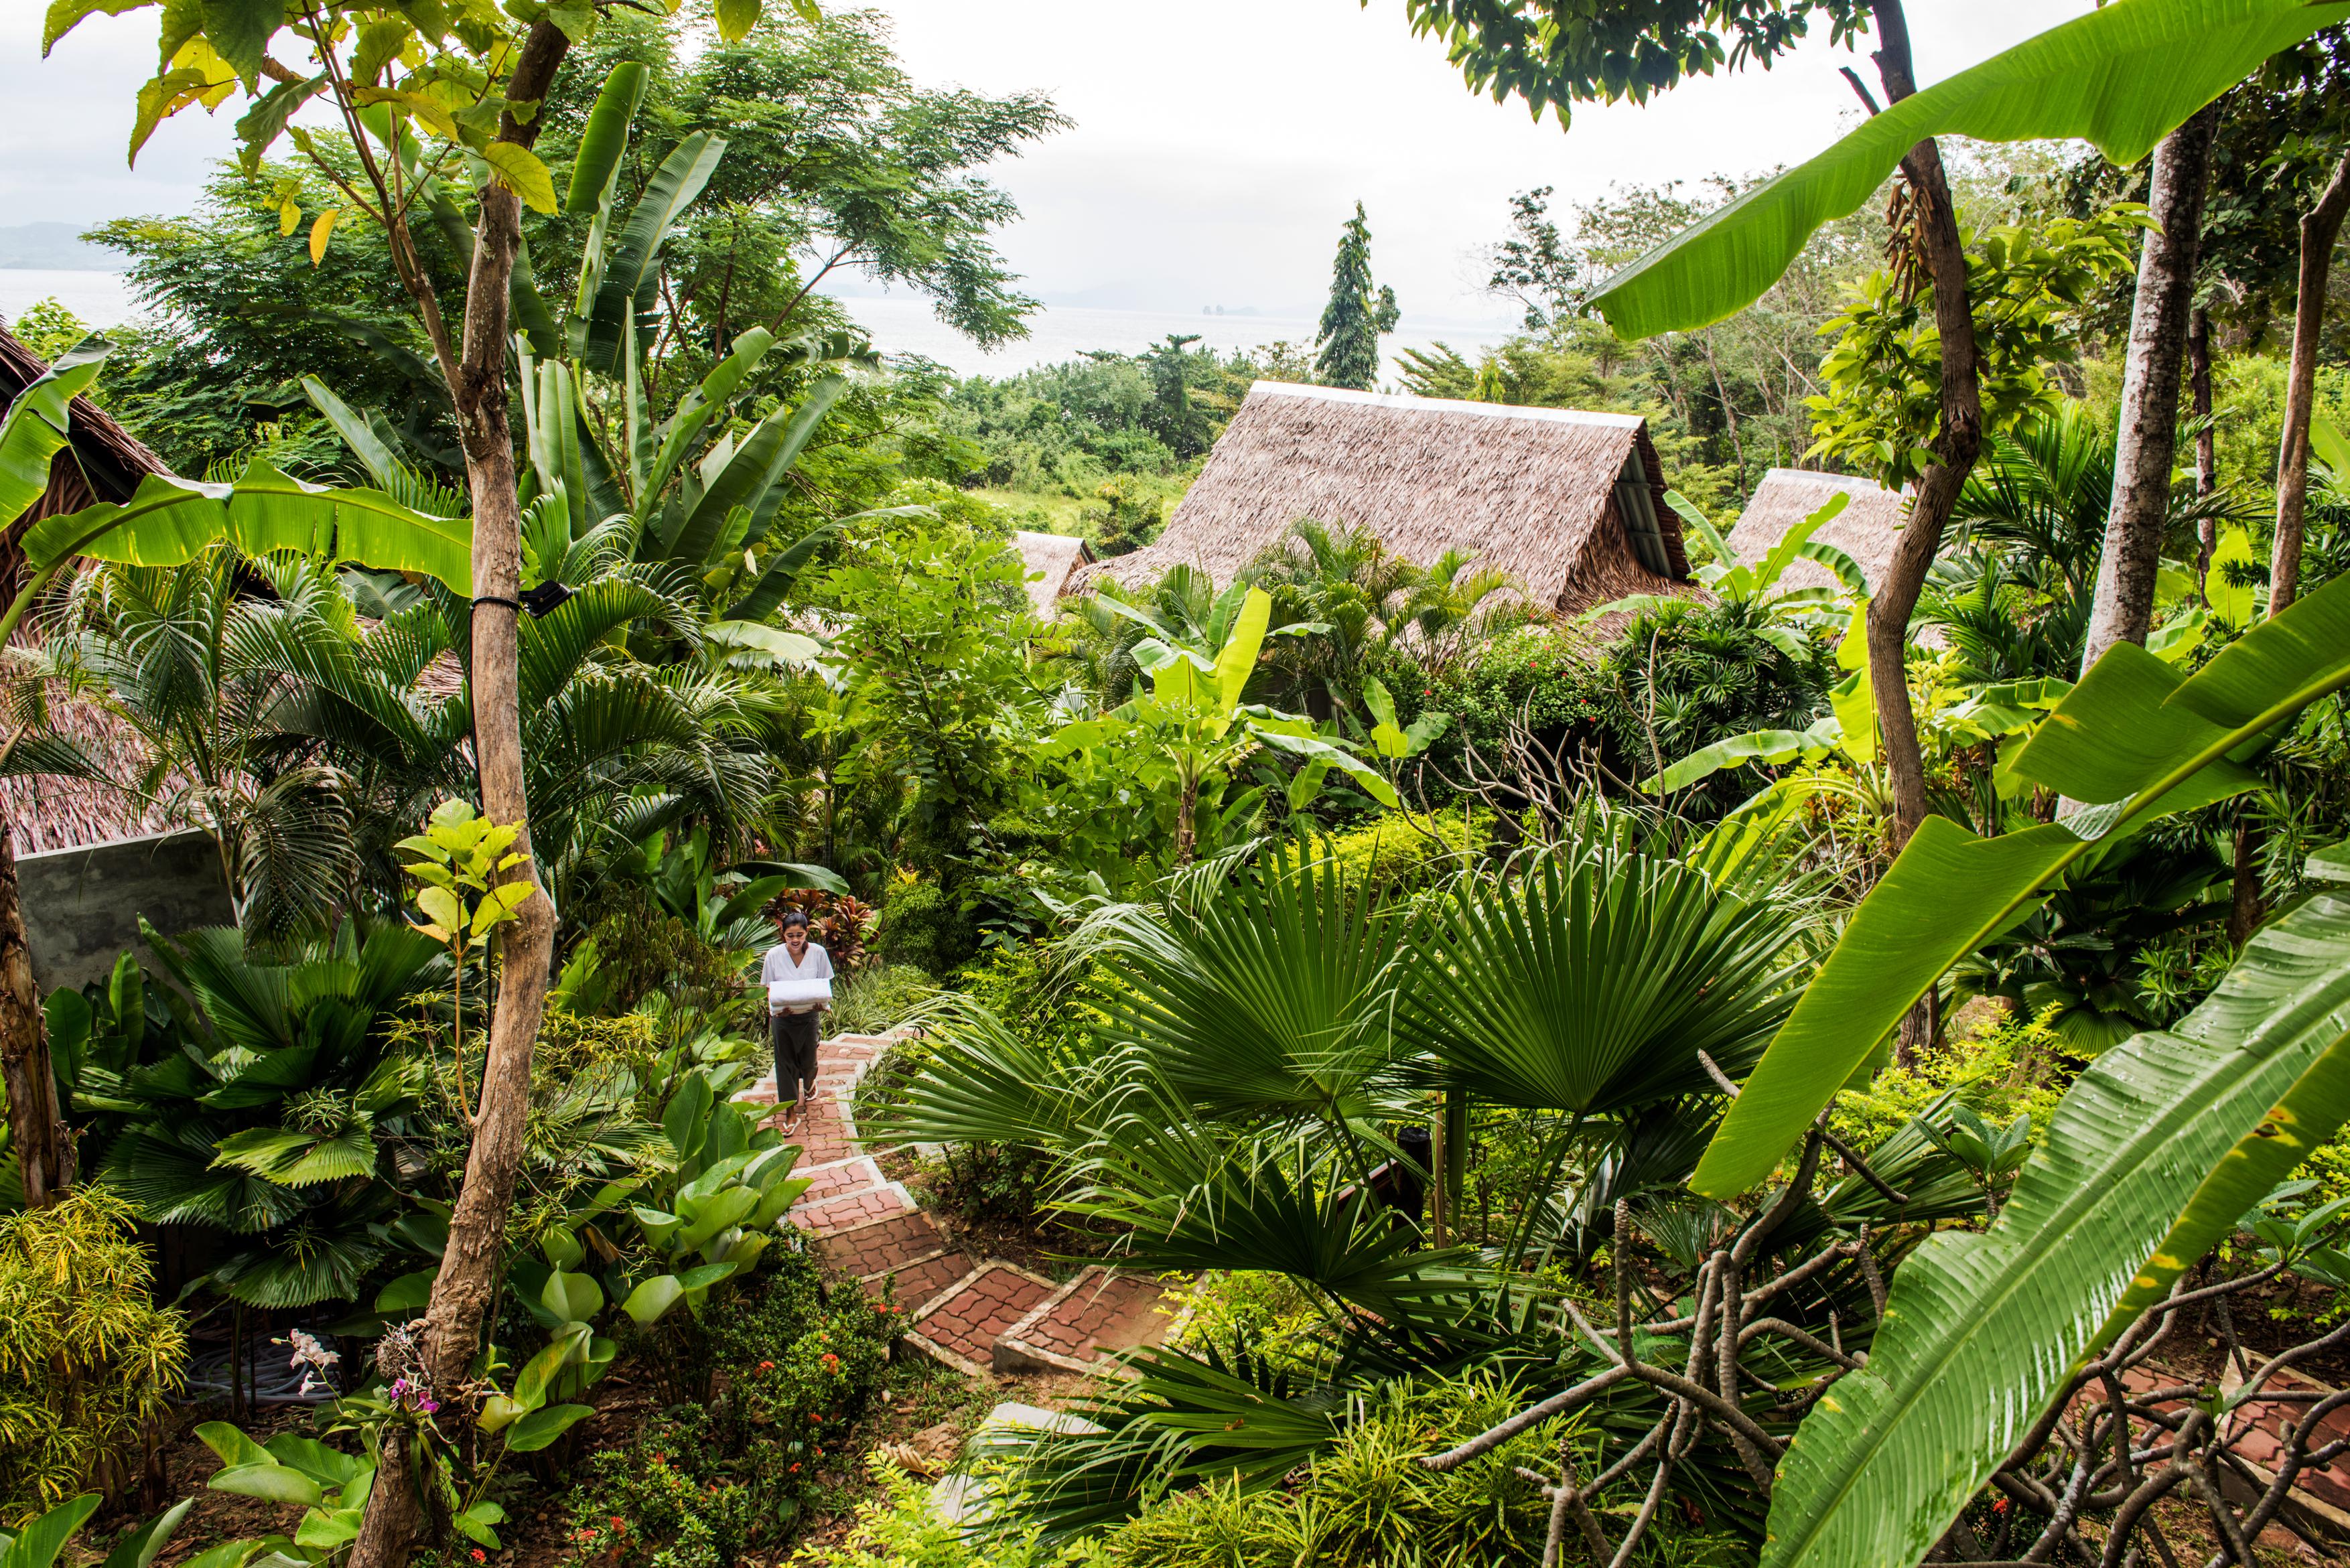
{"x":1218,"y":144}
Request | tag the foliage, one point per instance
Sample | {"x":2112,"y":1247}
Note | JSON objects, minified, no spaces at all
{"x":1283,"y":1325}
{"x":88,"y":1362}
{"x":1346,"y":342}
{"x":278,"y":1109}
{"x":897,"y":1526}
{"x":2120,"y":79}
{"x":926,"y":929}
{"x":2026,"y":285}
{"x":2000,"y":1069}
{"x":2245,"y":1089}
{"x":2135,"y":741}
{"x":1366,"y":1500}
{"x":707,"y":1484}
{"x":878,"y":998}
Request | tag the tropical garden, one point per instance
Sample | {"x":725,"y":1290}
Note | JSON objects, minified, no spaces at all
{"x":1835,"y":1066}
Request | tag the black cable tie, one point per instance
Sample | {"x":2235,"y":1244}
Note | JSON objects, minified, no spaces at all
{"x":493,"y":599}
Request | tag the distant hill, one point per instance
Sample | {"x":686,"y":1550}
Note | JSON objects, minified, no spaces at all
{"x":54,"y":245}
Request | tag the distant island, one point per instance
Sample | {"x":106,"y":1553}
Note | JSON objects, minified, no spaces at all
{"x":1228,"y":310}
{"x":54,"y":247}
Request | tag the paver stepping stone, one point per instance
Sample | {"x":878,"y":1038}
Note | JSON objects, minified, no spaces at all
{"x":921,"y":1281}
{"x":841,"y":1212}
{"x":858,"y":1173}
{"x":961,"y":1326}
{"x":878,"y":1246}
{"x":1087,"y":1322}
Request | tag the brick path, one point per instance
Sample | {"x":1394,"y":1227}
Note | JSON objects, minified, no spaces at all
{"x":977,"y":1316}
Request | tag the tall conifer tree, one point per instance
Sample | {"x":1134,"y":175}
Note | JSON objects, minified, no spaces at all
{"x":1346,"y":349}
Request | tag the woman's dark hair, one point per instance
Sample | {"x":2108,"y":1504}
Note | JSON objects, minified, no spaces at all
{"x":792,"y":918}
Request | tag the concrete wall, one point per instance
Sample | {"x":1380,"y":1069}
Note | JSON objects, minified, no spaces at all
{"x":82,"y":906}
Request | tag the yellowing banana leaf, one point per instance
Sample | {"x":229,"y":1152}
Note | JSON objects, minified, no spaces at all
{"x":2135,"y":741}
{"x":2121,"y":77}
{"x":2153,"y":1155}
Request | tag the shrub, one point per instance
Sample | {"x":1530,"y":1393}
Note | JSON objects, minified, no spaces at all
{"x":926,"y":926}
{"x":701,"y":1485}
{"x":87,"y":1359}
{"x":898,"y":1527}
{"x":1398,"y":853}
{"x":1367,"y":1501}
{"x":879,"y":998}
{"x":1999,"y":1070}
{"x":1281,"y":1323}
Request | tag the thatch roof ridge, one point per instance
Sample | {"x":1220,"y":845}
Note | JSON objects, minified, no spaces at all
{"x":95,"y":432}
{"x":1568,"y":501}
{"x":1048,"y":559}
{"x":1867,"y":528}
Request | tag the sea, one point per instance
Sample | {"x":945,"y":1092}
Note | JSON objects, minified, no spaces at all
{"x":904,"y":324}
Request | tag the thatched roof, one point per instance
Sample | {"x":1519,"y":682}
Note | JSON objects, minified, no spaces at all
{"x":1866,"y":529}
{"x":105,"y":461}
{"x":1050,"y":558}
{"x":47,"y":813}
{"x":1570,"y":504}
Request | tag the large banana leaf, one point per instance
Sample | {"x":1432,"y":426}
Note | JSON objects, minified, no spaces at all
{"x":2151,"y":1157}
{"x":2122,"y":78}
{"x":599,"y":336}
{"x":752,"y":475}
{"x":37,"y":427}
{"x":595,"y":173}
{"x":2134,"y":740}
{"x":167,"y":522}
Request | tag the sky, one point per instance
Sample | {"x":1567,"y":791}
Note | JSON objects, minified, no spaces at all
{"x":1218,"y":144}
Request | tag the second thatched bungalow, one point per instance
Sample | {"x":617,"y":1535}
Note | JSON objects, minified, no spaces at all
{"x":1570,"y":504}
{"x":1866,"y":529}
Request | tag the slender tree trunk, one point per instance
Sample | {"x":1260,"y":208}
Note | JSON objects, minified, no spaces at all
{"x":2207,"y":448}
{"x":44,"y":1150}
{"x":2123,"y":609}
{"x":2244,"y":887}
{"x":464,"y":1290}
{"x":1956,"y":444}
{"x":2321,"y":228}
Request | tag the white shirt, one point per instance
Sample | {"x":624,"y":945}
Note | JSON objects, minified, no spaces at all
{"x":815,"y":964}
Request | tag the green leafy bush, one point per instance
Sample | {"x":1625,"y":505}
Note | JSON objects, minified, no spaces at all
{"x":87,"y":1359}
{"x":706,"y":1485}
{"x":2000,"y":1070}
{"x":1282,"y":1325}
{"x":1367,"y":1501}
{"x":898,"y":1527}
{"x":877,"y":999}
{"x":926,"y":926}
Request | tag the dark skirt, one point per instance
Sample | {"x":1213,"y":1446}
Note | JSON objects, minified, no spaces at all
{"x":794,"y":1036}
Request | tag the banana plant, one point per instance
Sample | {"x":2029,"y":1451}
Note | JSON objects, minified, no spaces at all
{"x":1780,"y":616}
{"x":717,"y":1210}
{"x":1193,"y":725}
{"x":170,"y":521}
{"x":42,"y":1540}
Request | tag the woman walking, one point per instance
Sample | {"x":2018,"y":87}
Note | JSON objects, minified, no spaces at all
{"x":797,"y":974}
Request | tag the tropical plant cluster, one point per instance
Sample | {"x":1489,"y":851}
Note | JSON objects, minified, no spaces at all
{"x":1632,"y":1088}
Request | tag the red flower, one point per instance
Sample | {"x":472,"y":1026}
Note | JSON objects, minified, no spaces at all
{"x":766,"y":1366}
{"x":793,"y":1470}
{"x":479,"y":1555}
{"x":619,"y":1523}
{"x":1999,"y":1505}
{"x":815,"y":1420}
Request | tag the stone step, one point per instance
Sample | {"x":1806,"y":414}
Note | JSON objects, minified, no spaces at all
{"x":877,"y":1247}
{"x":855,"y":1209}
{"x":960,"y":1324}
{"x":838,"y":1178}
{"x":1086,"y":1324}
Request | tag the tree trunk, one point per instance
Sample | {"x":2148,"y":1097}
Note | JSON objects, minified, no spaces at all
{"x":2207,"y":453}
{"x":2123,"y":609}
{"x":2320,"y":228}
{"x":1956,"y":444}
{"x":463,"y":1291}
{"x":2244,"y":887}
{"x":44,"y":1150}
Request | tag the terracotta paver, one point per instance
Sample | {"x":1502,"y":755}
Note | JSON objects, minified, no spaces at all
{"x":923,"y":1282}
{"x":1094,"y":1317}
{"x":881,"y":1245}
{"x":837,"y":1179}
{"x":854,"y":1208}
{"x":961,"y":1326}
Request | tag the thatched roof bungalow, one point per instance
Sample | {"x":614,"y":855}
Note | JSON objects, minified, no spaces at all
{"x":1571,"y":504}
{"x":1050,"y":560}
{"x":1866,"y":529}
{"x":104,"y":462}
